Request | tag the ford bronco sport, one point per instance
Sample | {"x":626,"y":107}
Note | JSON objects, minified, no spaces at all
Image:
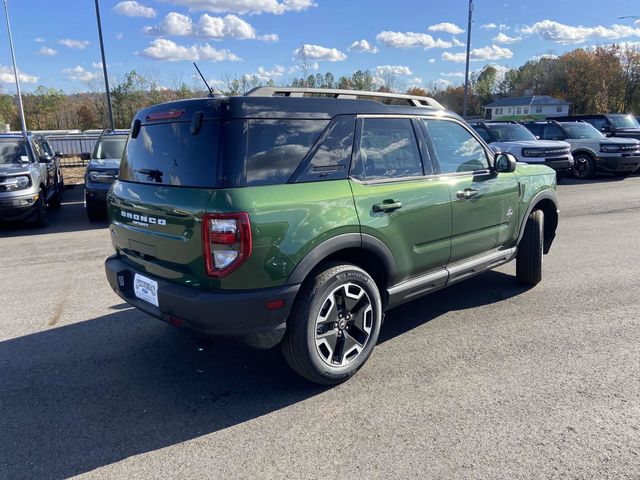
{"x":298,"y":216}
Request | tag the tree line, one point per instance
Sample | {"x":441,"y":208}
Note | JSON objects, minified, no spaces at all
{"x":595,"y":80}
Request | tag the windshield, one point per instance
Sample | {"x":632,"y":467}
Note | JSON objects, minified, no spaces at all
{"x":13,"y":151}
{"x":509,"y":132}
{"x":623,"y":121}
{"x":581,"y":130}
{"x":110,"y":148}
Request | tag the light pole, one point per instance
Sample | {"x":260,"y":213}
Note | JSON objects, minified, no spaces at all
{"x":15,"y":72}
{"x":465,"y":100}
{"x":104,"y":67}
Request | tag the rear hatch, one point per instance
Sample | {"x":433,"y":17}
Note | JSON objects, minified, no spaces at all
{"x":167,"y":176}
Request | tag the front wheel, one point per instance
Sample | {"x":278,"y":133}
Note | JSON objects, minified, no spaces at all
{"x":530,"y":250}
{"x":334,"y":324}
{"x":584,"y":166}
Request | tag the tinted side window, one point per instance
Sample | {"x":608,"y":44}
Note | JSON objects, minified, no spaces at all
{"x":456,"y":149}
{"x":484,"y":134}
{"x":535,"y":129}
{"x":598,"y":123}
{"x":388,"y":149}
{"x":275,"y":148}
{"x":553,"y":132}
{"x":331,"y":159}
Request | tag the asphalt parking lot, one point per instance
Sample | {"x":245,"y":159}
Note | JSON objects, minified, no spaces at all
{"x":483,"y":380}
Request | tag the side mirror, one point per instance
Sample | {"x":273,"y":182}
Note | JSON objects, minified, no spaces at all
{"x":58,"y":154}
{"x":505,"y":163}
{"x":85,"y":156}
{"x":45,"y":160}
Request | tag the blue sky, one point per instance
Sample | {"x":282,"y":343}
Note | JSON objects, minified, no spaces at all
{"x":420,"y":42}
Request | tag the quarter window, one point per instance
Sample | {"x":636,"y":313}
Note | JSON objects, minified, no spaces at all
{"x":388,"y":149}
{"x":455,"y":148}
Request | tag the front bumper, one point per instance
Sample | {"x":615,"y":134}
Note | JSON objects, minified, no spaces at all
{"x":619,"y":164}
{"x":560,"y":164}
{"x":239,"y":314}
{"x":17,"y":208}
{"x":96,"y":196}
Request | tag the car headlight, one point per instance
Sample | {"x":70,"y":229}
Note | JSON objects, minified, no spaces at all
{"x":12,"y":184}
{"x":532,"y":152}
{"x":609,"y":148}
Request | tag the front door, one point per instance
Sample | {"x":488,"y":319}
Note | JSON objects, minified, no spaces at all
{"x":397,"y":197}
{"x":484,"y":203}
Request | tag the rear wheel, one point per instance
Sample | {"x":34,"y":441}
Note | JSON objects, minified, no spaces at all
{"x":530,"y":250}
{"x":334,"y":324}
{"x":584,"y":166}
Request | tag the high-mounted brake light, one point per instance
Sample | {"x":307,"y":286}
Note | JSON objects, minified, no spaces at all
{"x":170,"y":115}
{"x":226,"y":239}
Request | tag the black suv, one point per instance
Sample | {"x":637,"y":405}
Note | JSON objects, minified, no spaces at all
{"x":102,"y":171}
{"x":611,"y":124}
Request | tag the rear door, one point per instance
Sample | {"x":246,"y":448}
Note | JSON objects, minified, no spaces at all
{"x":165,"y":183}
{"x":484,"y":203}
{"x":397,"y":196}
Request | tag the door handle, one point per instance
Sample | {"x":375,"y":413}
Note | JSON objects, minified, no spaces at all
{"x":387,"y":206}
{"x":467,"y":193}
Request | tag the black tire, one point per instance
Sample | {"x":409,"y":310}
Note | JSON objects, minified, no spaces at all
{"x":40,"y":219}
{"x":530,"y":250}
{"x":95,"y":213}
{"x":323,"y":364}
{"x":584,"y":166}
{"x":622,"y":174}
{"x":56,"y":200}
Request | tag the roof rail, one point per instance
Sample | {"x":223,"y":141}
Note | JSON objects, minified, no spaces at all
{"x":412,"y":100}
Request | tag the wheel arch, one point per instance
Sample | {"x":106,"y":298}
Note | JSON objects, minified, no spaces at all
{"x":547,"y":201}
{"x":365,"y":251}
{"x":586,"y":151}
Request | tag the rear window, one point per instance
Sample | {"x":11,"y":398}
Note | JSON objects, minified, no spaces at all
{"x":169,"y":154}
{"x":275,"y":148}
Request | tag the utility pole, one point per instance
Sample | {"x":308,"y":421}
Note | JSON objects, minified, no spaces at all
{"x":15,"y":72}
{"x":465,"y":101}
{"x":104,"y":68}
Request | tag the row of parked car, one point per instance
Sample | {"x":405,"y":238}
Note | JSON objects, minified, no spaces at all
{"x":580,"y":146}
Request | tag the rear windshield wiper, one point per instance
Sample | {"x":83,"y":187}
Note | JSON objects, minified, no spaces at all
{"x":153,"y":174}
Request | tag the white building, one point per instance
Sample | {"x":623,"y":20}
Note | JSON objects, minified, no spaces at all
{"x":531,"y":106}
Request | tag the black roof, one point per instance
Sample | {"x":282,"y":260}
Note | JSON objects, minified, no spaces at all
{"x":280,"y":107}
{"x":533,"y":100}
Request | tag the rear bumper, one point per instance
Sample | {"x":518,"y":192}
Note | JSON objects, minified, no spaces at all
{"x":619,"y":164}
{"x":240,"y":314}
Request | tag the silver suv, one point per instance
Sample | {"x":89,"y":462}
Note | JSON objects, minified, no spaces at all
{"x":592,"y":151}
{"x":511,"y":137}
{"x":30,"y":178}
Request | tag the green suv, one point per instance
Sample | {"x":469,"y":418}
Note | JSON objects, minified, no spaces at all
{"x":299,"y":216}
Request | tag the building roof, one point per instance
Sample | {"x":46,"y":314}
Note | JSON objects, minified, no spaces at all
{"x":533,"y":100}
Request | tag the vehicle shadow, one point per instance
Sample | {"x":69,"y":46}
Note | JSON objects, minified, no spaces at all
{"x":71,"y":217}
{"x":81,"y":396}
{"x":600,"y":178}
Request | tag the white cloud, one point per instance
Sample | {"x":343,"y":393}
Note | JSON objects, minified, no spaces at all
{"x":453,"y":74}
{"x":265,"y":75}
{"x":393,"y":70}
{"x":134,"y":9}
{"x":169,"y":51}
{"x":119,"y":36}
{"x":441,"y":84}
{"x":74,"y":44}
{"x":537,"y":58}
{"x":446,"y":27}
{"x":457,"y":43}
{"x":432,"y":60}
{"x":411,"y":40}
{"x":506,"y":39}
{"x":78,"y":74}
{"x":47,"y":52}
{"x":217,"y":28}
{"x":415,"y":81}
{"x":363,"y":46}
{"x":38,"y":40}
{"x":489,"y":26}
{"x":269,"y":38}
{"x":492,"y":52}
{"x":97,"y":65}
{"x":7,"y":76}
{"x":316,"y":52}
{"x":243,"y":7}
{"x":566,"y":34}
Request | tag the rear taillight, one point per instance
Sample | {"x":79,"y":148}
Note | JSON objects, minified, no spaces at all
{"x":226,"y":239}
